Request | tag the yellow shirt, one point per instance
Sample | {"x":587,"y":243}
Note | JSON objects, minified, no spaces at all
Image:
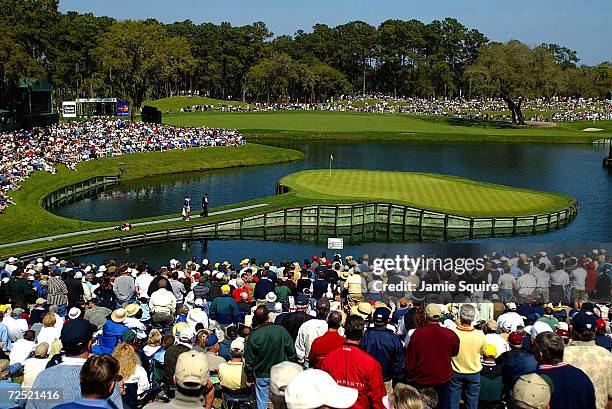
{"x":472,"y":344}
{"x":231,"y":375}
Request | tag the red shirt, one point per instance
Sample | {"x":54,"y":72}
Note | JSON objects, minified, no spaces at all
{"x":429,"y":353}
{"x":355,"y":368}
{"x":322,"y":346}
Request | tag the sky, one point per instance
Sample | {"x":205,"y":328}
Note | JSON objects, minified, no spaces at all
{"x":582,"y":25}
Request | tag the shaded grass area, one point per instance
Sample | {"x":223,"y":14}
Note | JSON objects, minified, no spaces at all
{"x":28,"y":219}
{"x":447,"y":194}
{"x":362,"y":126}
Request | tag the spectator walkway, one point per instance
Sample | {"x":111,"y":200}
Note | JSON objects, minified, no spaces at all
{"x":111,"y":228}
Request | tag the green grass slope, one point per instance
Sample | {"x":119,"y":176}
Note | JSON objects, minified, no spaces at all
{"x":347,"y":125}
{"x":426,"y":191}
{"x":28,"y":219}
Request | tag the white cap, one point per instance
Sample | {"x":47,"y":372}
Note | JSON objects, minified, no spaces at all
{"x":314,"y":388}
{"x":12,"y":260}
{"x":539,"y":327}
{"x":53,"y":259}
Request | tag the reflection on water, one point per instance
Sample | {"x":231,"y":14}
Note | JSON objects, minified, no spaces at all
{"x":574,"y":170}
{"x":236,"y":250}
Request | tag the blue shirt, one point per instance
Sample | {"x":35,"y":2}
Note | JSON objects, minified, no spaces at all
{"x":65,"y":377}
{"x":4,"y":337}
{"x":12,"y":403}
{"x":572,"y":388}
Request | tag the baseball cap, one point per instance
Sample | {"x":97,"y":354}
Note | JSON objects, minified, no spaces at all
{"x":191,"y":370}
{"x":584,"y":321}
{"x":539,"y":327}
{"x":532,"y":390}
{"x":314,"y":388}
{"x":601,"y":324}
{"x":41,"y":350}
{"x":212,"y":340}
{"x":237,"y":344}
{"x":280,"y":376}
{"x":432,"y":311}
{"x":77,"y":333}
{"x":381,"y":315}
{"x":515,"y":339}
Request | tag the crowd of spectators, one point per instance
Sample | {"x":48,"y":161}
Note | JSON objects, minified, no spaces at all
{"x":68,"y":143}
{"x":308,"y":334}
{"x":491,"y":109}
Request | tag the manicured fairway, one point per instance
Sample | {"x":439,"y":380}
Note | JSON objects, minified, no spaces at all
{"x":347,"y":125}
{"x":426,"y":191}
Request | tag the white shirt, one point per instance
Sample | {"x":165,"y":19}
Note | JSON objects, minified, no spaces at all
{"x":16,"y":327}
{"x":21,"y":350}
{"x":142,"y":283}
{"x":140,"y":377}
{"x":542,"y":279}
{"x":578,"y":279}
{"x":559,"y":277}
{"x":509,"y":321}
{"x":31,"y":368}
{"x":526,"y":284}
{"x":48,"y":335}
{"x":138,"y":327}
{"x":506,"y":281}
{"x":308,"y":332}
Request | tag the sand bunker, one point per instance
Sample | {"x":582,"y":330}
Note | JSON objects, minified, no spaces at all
{"x":592,"y":130}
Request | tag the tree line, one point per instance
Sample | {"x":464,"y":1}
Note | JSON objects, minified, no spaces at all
{"x":84,"y":55}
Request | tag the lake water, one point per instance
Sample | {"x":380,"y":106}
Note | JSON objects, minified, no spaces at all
{"x":574,"y":170}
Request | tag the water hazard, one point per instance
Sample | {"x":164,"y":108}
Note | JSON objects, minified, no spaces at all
{"x":574,"y":170}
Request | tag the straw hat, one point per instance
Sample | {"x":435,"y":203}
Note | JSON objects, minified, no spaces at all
{"x":119,"y":315}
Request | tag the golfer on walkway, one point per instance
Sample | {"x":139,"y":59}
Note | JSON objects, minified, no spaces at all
{"x":204,"y":205}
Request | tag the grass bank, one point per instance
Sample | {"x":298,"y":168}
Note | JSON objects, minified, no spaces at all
{"x":365,"y":126}
{"x":28,"y":219}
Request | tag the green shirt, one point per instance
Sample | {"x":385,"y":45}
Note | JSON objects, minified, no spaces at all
{"x":282,"y":293}
{"x":267,"y":346}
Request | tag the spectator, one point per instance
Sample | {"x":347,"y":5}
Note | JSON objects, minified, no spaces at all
{"x":124,"y":288}
{"x":352,"y":367}
{"x":224,"y":308}
{"x":280,"y":376}
{"x":130,"y":368}
{"x":231,"y":374}
{"x":311,"y":330}
{"x":384,"y":345}
{"x":35,"y":365}
{"x":428,"y":364}
{"x":572,"y":388}
{"x":192,"y":383}
{"x":531,"y":392}
{"x":76,"y":337}
{"x":10,"y":400}
{"x":22,"y":348}
{"x":58,"y":293}
{"x":515,"y":363}
{"x":184,"y":337}
{"x":98,"y":380}
{"x":404,"y":397}
{"x":162,"y":305}
{"x":327,"y":342}
{"x":491,"y":385}
{"x":593,"y":360}
{"x":268,"y":345}
{"x":467,"y":364}
{"x":49,"y":332}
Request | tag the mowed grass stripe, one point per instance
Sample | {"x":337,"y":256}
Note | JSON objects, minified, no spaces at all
{"x":425,"y":190}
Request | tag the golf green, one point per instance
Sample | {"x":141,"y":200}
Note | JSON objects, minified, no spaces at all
{"x":428,"y":191}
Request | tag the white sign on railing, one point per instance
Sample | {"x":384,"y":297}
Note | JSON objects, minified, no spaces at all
{"x":335,"y":243}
